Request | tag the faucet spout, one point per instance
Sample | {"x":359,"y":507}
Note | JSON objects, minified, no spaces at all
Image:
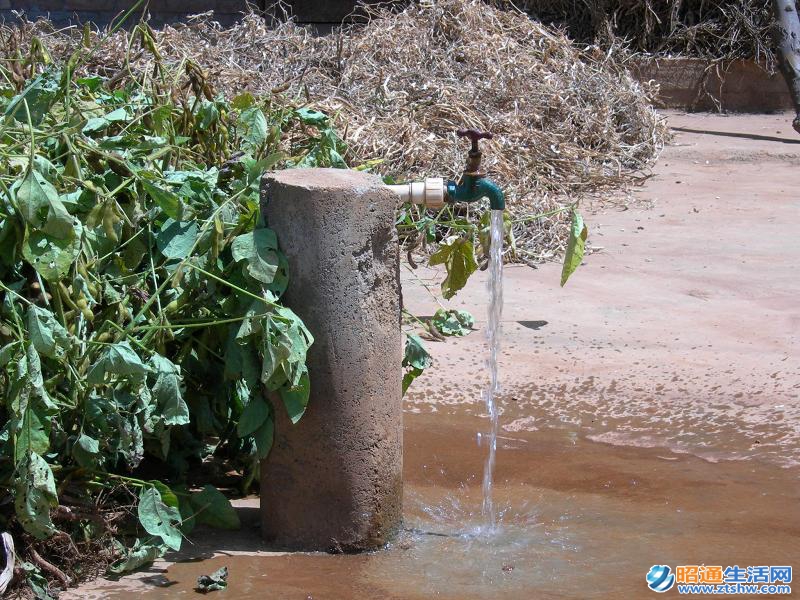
{"x":472,"y":188}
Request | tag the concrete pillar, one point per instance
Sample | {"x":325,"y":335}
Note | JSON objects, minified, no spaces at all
{"x":333,"y":482}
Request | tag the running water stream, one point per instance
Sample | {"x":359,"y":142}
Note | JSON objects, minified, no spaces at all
{"x":493,"y":334}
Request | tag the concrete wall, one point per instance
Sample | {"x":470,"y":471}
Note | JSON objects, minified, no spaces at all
{"x":697,"y":84}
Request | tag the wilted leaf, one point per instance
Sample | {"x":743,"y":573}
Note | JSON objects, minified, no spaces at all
{"x":118,"y":359}
{"x":309,"y":116}
{"x":52,"y":257}
{"x":167,"y":200}
{"x":415,"y":354}
{"x":40,"y":94}
{"x":34,"y":433}
{"x":207,"y":115}
{"x":138,"y":556}
{"x":458,"y":256}
{"x":575,"y":247}
{"x":34,"y":496}
{"x":415,"y":360}
{"x":453,"y":322}
{"x":86,"y":451}
{"x":47,"y":335}
{"x":218,"y":580}
{"x":243,"y":101}
{"x":167,"y":391}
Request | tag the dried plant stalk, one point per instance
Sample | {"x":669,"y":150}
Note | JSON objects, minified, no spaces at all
{"x":567,"y":121}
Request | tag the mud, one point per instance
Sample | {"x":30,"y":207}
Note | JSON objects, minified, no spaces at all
{"x":578,"y":519}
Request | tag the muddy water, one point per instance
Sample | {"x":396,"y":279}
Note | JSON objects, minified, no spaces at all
{"x":577,"y":519}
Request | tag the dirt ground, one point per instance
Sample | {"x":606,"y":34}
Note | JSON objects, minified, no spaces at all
{"x":650,"y":408}
{"x":683,"y":324}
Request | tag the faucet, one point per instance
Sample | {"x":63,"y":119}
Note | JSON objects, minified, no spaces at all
{"x":473,"y":184}
{"x":434,"y":193}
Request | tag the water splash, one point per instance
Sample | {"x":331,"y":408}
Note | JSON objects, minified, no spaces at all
{"x":493,"y":333}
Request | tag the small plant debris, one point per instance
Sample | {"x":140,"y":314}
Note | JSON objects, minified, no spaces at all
{"x":453,"y":322}
{"x":215,"y":582}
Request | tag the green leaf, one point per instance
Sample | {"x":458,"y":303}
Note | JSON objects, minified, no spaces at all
{"x":34,"y":495}
{"x":207,"y":115}
{"x":91,"y":82}
{"x":453,"y":322}
{"x":253,"y":416}
{"x":118,"y":359}
{"x":8,"y":352}
{"x":415,"y":360}
{"x":138,"y":556}
{"x":158,"y":519}
{"x":86,"y":451}
{"x":218,"y":580}
{"x":187,"y":511}
{"x":416,"y":355}
{"x":253,"y":127}
{"x":96,"y":124}
{"x":35,"y":380}
{"x":243,"y":101}
{"x":52,"y":257}
{"x":166,"y":200}
{"x":575,"y":246}
{"x":258,"y":249}
{"x":47,"y":335}
{"x":167,"y":391}
{"x":39,"y":205}
{"x":458,"y":256}
{"x":264,"y":437}
{"x":34,"y":434}
{"x":214,"y":509}
{"x":40,"y":94}
{"x":310,"y":116}
{"x":295,"y":397}
{"x":176,"y":238}
{"x":167,"y":495}
{"x":408,"y":378}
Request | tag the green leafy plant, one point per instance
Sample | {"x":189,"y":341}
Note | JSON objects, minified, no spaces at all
{"x":141,"y":329}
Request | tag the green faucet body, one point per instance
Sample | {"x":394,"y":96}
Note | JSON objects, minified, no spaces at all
{"x":474,"y":185}
{"x":472,"y":188}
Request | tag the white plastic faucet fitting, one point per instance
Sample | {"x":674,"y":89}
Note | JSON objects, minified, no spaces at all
{"x":429,"y":192}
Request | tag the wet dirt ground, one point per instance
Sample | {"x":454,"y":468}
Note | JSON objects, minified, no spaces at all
{"x":650,"y":409}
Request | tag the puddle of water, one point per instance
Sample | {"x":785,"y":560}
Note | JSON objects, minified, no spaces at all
{"x":576,"y":519}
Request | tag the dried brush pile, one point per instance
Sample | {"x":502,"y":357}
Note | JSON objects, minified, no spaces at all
{"x":567,"y":121}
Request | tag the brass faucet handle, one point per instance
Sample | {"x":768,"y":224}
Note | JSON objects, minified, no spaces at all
{"x":474,"y":135}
